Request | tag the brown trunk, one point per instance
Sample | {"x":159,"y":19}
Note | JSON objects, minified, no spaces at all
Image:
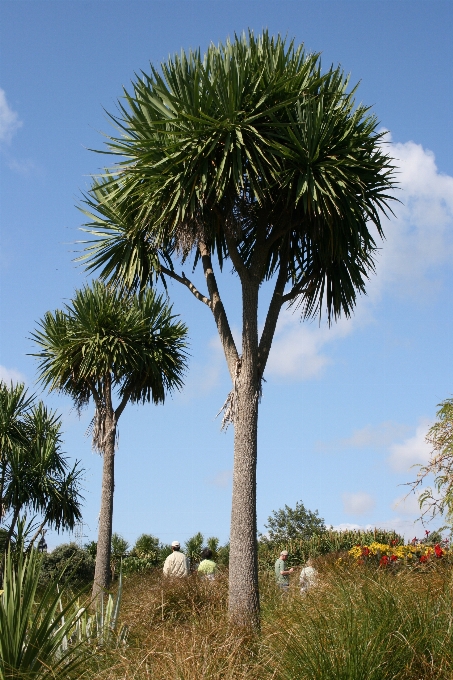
{"x":243,"y":579}
{"x":103,"y":554}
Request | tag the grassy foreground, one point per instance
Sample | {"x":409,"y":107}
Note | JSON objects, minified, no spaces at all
{"x":357,"y":624}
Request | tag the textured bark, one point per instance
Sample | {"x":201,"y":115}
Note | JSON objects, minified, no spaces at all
{"x":103,"y":554}
{"x":243,"y":570}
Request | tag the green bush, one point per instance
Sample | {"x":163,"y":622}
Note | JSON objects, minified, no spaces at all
{"x":77,"y":564}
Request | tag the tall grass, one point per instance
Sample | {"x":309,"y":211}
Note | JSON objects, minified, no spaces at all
{"x":362,"y":624}
{"x":357,"y":624}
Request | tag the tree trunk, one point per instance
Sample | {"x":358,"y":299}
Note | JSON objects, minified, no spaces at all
{"x":243,"y":579}
{"x":103,"y":554}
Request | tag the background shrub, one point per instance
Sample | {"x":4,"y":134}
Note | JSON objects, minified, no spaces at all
{"x":77,"y":563}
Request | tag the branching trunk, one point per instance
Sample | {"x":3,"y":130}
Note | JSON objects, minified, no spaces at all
{"x":218,"y":310}
{"x":39,"y":530}
{"x":103,"y":554}
{"x":246,"y":372}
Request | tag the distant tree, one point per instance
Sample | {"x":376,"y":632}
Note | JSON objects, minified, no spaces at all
{"x":119,"y":545}
{"x":35,"y":475}
{"x":223,"y":555}
{"x":193,"y":547}
{"x":91,"y":548}
{"x":146,"y":545}
{"x":438,"y":501}
{"x":298,"y":523}
{"x":103,"y":342}
{"x":119,"y":549}
{"x":213,"y":544}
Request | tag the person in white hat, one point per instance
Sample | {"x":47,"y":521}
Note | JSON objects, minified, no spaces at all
{"x":281,"y":573}
{"x":177,"y":563}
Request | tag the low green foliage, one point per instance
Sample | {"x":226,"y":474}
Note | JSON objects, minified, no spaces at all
{"x":34,"y":635}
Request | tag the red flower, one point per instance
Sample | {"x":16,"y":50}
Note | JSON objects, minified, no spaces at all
{"x":384,"y":561}
{"x":394,"y":542}
{"x":438,"y":550}
{"x":393,"y":558}
{"x":365,"y":552}
{"x":427,"y":533}
{"x":423,"y":559}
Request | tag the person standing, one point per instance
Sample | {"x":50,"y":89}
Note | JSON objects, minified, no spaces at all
{"x":177,"y":563}
{"x":308,"y":576}
{"x":281,"y":573}
{"x":207,"y":566}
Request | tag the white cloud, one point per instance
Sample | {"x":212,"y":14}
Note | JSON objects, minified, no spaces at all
{"x":359,"y":503}
{"x":419,"y":240}
{"x":411,"y":264}
{"x":222,"y":479}
{"x":25,"y":167}
{"x":370,"y":436}
{"x":10,"y":375}
{"x":411,"y":452}
{"x":9,"y":119}
{"x":296,"y":352}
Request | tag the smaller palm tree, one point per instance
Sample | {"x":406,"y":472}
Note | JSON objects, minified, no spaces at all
{"x":103,"y":344}
{"x":34,"y":472}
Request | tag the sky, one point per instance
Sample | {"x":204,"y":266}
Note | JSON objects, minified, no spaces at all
{"x":346,"y":409}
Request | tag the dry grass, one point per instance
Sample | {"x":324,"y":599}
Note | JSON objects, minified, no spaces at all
{"x":354,"y":622}
{"x":179,"y":629}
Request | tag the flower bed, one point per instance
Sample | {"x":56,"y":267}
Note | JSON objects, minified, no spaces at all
{"x":391,"y":554}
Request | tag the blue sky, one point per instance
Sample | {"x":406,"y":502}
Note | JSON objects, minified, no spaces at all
{"x":345,"y":410}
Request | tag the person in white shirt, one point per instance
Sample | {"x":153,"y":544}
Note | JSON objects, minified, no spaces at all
{"x":308,"y":576}
{"x":177,"y":563}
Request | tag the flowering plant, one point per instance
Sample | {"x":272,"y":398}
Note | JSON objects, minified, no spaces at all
{"x":390,"y":554}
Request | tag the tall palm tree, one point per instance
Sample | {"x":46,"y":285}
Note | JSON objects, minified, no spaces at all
{"x":105,"y":343}
{"x":34,"y":472}
{"x":253,"y":155}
